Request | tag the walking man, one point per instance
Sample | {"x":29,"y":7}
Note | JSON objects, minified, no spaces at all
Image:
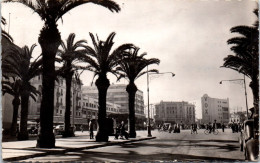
{"x":91,"y":128}
{"x":223,"y":127}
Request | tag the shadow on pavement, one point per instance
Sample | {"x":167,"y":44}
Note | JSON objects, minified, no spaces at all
{"x":156,"y":144}
{"x":134,"y":156}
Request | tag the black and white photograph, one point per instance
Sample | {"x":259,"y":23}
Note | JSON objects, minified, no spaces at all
{"x":130,"y":80}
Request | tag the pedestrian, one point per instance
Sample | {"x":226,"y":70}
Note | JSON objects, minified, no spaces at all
{"x":170,"y":128}
{"x":195,"y":128}
{"x":223,"y":127}
{"x":81,"y":128}
{"x":210,"y":127}
{"x":91,"y":128}
{"x":123,"y":131}
{"x":117,"y":132}
{"x":233,"y":127}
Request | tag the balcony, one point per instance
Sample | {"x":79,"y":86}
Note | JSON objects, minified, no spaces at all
{"x":58,"y":94}
{"x":58,"y":104}
{"x":78,"y":107}
{"x":78,"y":98}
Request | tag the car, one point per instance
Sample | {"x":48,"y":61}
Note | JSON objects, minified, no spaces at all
{"x":59,"y":130}
{"x":248,"y":144}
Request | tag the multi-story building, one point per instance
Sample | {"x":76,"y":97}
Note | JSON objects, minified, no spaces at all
{"x":82,"y":109}
{"x":7,"y":106}
{"x":214,"y":109}
{"x":117,"y":94}
{"x":59,"y":101}
{"x":174,"y":112}
{"x":90,"y":108}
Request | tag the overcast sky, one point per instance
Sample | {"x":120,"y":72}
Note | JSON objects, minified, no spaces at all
{"x":188,"y":36}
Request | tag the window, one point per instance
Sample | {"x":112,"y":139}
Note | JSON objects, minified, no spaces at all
{"x":224,"y":109}
{"x":60,"y":111}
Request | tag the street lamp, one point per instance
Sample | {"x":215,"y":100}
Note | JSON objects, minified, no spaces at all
{"x":244,"y":87}
{"x":149,"y":124}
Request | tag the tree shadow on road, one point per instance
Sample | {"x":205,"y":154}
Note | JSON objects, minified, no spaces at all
{"x":130,"y":156}
{"x":158,"y":144}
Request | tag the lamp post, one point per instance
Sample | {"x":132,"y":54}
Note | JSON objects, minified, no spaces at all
{"x":244,"y":80}
{"x":149,"y":124}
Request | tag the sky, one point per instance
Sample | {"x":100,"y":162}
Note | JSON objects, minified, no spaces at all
{"x":188,"y":36}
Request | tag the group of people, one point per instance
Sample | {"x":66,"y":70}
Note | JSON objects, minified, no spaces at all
{"x":213,"y":126}
{"x":236,"y":127}
{"x":169,"y":127}
{"x":120,"y":130}
{"x":194,"y":128}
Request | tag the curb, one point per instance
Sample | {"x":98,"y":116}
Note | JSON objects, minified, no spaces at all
{"x":65,"y":150}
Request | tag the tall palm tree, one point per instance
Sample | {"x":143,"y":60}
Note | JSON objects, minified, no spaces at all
{"x":101,"y":62}
{"x":50,"y":12}
{"x":69,"y":55}
{"x":131,"y":68}
{"x":17,"y":64}
{"x":13,"y":88}
{"x":246,"y":58}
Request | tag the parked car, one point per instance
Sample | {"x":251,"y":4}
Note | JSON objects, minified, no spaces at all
{"x":248,"y":144}
{"x":59,"y":130}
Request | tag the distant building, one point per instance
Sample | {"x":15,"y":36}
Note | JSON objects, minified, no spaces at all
{"x":116,"y":94}
{"x":214,"y":109}
{"x":238,"y":117}
{"x":174,"y":112}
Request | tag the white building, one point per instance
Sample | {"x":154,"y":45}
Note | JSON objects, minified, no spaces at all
{"x":238,"y":117}
{"x":214,"y":109}
{"x":174,"y":112}
{"x":116,"y":94}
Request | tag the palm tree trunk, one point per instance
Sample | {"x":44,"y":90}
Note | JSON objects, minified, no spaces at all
{"x":102,"y":84}
{"x":49,"y":40}
{"x":68,"y":106}
{"x":16,"y":103}
{"x":23,"y":133}
{"x":131,"y":89}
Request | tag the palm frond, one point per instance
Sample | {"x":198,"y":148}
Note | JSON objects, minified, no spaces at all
{"x":67,"y":5}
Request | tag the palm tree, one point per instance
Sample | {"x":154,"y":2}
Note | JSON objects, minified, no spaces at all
{"x":246,"y":58}
{"x":50,"y":12}
{"x":70,"y":54}
{"x":13,"y":88}
{"x":131,"y":68}
{"x":102,"y":62}
{"x":17,"y":64}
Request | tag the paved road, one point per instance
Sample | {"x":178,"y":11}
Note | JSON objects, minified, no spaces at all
{"x":166,"y":147}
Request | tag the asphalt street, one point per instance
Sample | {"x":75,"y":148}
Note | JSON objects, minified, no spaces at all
{"x":166,"y":147}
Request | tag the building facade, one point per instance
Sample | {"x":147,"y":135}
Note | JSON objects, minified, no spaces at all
{"x":238,"y":117}
{"x":116,"y":94}
{"x":214,"y":109}
{"x":82,"y":108}
{"x":174,"y":112}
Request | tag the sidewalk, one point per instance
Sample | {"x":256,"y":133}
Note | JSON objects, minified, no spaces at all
{"x":20,"y":150}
